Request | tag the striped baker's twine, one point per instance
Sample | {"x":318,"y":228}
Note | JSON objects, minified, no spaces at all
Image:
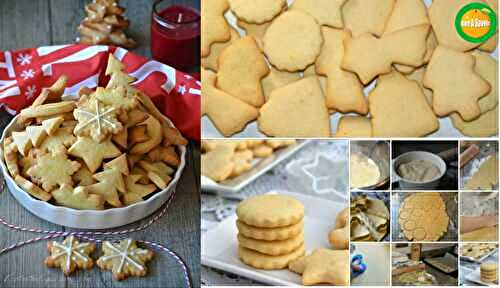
{"x":157,"y":246}
{"x":96,"y":233}
{"x":81,"y":234}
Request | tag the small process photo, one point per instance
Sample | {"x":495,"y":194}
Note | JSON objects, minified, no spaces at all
{"x":370,"y":216}
{"x":424,"y":264}
{"x":370,"y":264}
{"x":370,"y":165}
{"x":478,"y":216}
{"x":424,"y":216}
{"x":478,"y":264}
{"x":479,"y":165}
{"x":275,"y":218}
{"x":425,"y":165}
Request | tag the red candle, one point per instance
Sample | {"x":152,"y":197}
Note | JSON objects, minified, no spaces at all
{"x":175,"y":36}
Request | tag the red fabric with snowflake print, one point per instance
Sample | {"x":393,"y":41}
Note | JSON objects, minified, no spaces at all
{"x":24,"y":72}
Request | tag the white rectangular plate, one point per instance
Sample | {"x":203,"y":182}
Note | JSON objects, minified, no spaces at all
{"x":219,"y":247}
{"x":260,"y":166}
{"x":475,"y":276}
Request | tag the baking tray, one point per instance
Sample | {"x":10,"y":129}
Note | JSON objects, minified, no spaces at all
{"x":479,"y":260}
{"x":446,"y":264}
{"x":259,"y":167}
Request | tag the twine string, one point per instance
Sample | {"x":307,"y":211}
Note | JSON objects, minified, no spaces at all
{"x":51,"y":234}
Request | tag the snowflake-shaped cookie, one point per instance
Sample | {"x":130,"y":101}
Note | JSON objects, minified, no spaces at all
{"x":96,"y":120}
{"x":53,"y":169}
{"x":69,"y":255}
{"x":124,"y":259}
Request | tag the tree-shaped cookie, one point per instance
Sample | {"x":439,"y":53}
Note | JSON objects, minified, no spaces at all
{"x":214,"y":27}
{"x":70,"y":255}
{"x":396,"y":100}
{"x":302,"y":103}
{"x":110,"y":181}
{"x":241,"y":68}
{"x":229,"y":114}
{"x":62,"y":137}
{"x":96,"y":120}
{"x":77,"y":198}
{"x":105,"y":24}
{"x":53,"y":169}
{"x":457,"y":90}
{"x":124,"y":259}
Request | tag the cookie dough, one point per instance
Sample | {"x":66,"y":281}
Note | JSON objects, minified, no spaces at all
{"x":486,"y":177}
{"x":423,"y":217}
{"x":364,"y":171}
{"x":418,"y":171}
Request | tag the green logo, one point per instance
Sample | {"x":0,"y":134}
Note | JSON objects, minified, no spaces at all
{"x":476,"y":22}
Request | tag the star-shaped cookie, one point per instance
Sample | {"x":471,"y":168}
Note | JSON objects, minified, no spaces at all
{"x":70,"y":255}
{"x":124,"y":259}
{"x":323,"y":266}
{"x":93,"y":152}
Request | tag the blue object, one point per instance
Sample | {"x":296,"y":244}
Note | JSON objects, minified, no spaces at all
{"x":358,"y":266}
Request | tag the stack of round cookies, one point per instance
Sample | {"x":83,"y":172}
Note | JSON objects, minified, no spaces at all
{"x":270,"y":231}
{"x":488,"y":272}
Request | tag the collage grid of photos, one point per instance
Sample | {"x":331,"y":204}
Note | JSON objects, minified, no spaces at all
{"x":412,"y":213}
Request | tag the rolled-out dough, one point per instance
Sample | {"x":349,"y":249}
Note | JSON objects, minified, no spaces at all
{"x":486,"y":177}
{"x":422,"y":217}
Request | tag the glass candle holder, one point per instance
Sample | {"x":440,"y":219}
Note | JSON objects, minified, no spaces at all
{"x":175,"y":35}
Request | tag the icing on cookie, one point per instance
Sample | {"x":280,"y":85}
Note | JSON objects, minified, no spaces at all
{"x":70,"y":254}
{"x":97,"y":121}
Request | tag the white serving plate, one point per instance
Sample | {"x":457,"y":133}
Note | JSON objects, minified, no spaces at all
{"x":259,"y":167}
{"x":446,"y":128}
{"x":219,"y":247}
{"x":475,"y":276}
{"x":90,"y":219}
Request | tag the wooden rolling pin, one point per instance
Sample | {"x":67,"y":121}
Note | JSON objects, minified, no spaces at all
{"x":406,"y":269}
{"x":448,"y":155}
{"x":468,"y":154}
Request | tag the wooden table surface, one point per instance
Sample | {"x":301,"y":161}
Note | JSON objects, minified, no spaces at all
{"x":33,"y":23}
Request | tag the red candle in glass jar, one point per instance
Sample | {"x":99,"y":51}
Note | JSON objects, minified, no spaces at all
{"x":175,"y":36}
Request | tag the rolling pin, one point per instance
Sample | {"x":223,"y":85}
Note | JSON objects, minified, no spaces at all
{"x":468,"y":154}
